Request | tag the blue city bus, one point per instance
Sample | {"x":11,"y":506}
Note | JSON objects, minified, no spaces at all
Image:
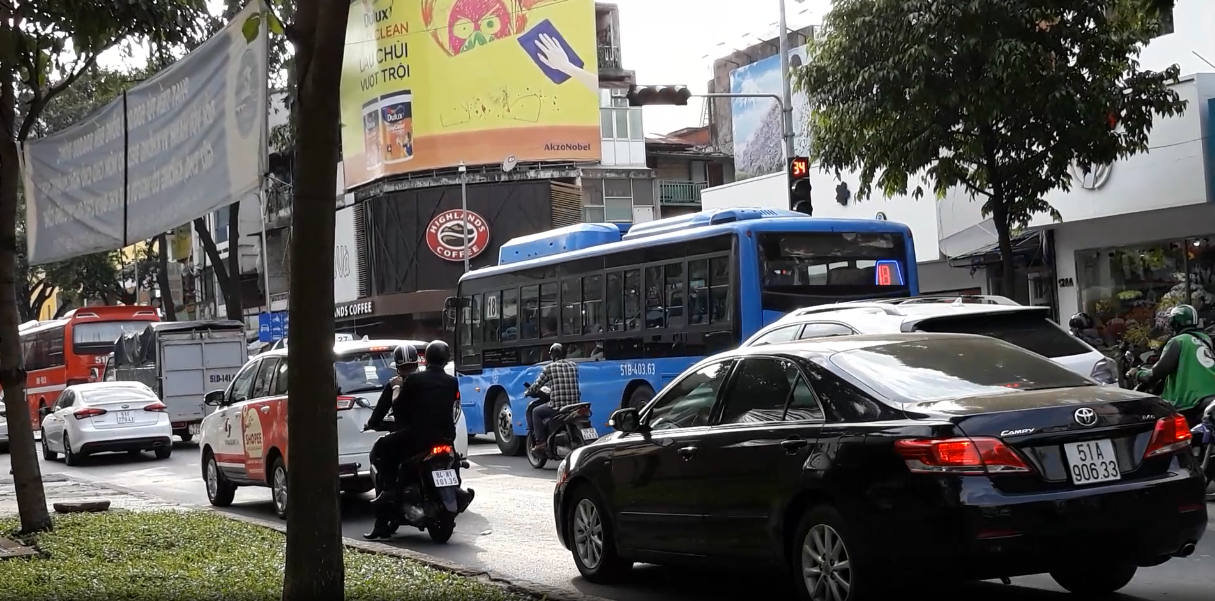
{"x":637,"y":306}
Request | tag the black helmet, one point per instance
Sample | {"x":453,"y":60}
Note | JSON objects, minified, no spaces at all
{"x":1081,"y":321}
{"x":403,"y":355}
{"x":557,"y":352}
{"x":437,"y":354}
{"x":1182,"y":318}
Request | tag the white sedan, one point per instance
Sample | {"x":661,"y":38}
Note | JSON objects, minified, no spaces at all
{"x":106,"y":417}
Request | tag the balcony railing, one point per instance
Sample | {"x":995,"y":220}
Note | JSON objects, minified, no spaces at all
{"x":679,"y":193}
{"x":609,"y":57}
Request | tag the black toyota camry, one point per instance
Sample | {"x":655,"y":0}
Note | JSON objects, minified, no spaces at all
{"x":847,"y":460}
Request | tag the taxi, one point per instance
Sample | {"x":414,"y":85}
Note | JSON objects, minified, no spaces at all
{"x":244,"y":440}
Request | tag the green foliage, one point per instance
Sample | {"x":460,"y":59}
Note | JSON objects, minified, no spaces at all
{"x":188,"y":555}
{"x":997,"y":96}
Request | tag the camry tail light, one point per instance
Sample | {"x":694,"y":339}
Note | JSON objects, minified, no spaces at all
{"x":88,"y":412}
{"x":157,"y":408}
{"x":960,"y":456}
{"x":345,"y":403}
{"x":1172,"y":434}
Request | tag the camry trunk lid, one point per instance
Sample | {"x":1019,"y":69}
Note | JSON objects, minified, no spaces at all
{"x":1070,"y":437}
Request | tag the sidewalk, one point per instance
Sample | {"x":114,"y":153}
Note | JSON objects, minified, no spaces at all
{"x":60,"y":489}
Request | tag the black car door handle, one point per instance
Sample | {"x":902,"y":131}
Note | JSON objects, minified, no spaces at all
{"x":687,"y":452}
{"x":794,"y":445}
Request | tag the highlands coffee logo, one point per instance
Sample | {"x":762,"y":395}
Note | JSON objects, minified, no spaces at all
{"x":567,"y":147}
{"x":448,"y":235}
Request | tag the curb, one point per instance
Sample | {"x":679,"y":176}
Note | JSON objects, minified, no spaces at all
{"x":513,"y":585}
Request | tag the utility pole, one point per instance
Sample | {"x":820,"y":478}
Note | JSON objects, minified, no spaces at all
{"x":786,"y":112}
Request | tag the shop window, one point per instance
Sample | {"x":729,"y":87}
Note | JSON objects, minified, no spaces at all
{"x":530,"y":322}
{"x":510,"y":315}
{"x":1129,"y":290}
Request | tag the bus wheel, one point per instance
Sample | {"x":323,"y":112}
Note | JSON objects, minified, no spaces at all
{"x":641,"y":395}
{"x":504,"y":428}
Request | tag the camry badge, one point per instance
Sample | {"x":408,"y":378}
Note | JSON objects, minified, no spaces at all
{"x":1086,"y":417}
{"x":1021,"y":432}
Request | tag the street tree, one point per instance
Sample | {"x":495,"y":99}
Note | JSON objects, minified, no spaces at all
{"x":314,"y":566}
{"x":998,"y":98}
{"x":46,"y":45}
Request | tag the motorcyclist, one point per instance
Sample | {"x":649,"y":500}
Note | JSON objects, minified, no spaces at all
{"x":405,"y":362}
{"x":561,"y":376}
{"x":1186,"y":365}
{"x":1083,"y":327}
{"x":422,"y":410}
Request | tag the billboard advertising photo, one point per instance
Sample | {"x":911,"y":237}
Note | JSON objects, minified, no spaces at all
{"x":427,"y":84}
{"x":758,"y":146}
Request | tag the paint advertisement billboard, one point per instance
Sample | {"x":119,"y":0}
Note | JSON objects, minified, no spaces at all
{"x":756,"y":121}
{"x":427,"y":84}
{"x":183,"y":143}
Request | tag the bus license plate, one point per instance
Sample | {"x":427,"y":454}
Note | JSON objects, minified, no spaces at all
{"x":445,"y":478}
{"x":1092,"y":461}
{"x":125,"y":417}
{"x":589,"y":434}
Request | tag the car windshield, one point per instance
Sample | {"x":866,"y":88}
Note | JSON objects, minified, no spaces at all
{"x":1028,"y":330}
{"x":362,"y":371}
{"x":943,"y":368}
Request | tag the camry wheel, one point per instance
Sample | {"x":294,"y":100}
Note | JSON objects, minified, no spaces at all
{"x":590,"y":534}
{"x":824,"y":559}
{"x":278,"y":487}
{"x":220,"y":492}
{"x":1087,"y":579}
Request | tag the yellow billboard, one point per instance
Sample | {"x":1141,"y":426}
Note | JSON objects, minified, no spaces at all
{"x":427,"y":84}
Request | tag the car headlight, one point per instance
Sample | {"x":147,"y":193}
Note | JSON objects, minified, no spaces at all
{"x":1105,"y":371}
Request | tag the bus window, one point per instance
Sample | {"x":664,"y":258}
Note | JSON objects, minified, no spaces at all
{"x":698,"y":292}
{"x":530,"y":321}
{"x":493,"y":315}
{"x":592,"y":304}
{"x":655,"y":316}
{"x":632,"y":300}
{"x":510,"y":315}
{"x":673,"y":297}
{"x":478,"y":301}
{"x":571,"y":307}
{"x":549,"y":310}
{"x":719,"y":290}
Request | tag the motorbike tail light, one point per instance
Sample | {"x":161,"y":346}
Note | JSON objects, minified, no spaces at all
{"x":960,"y":456}
{"x":345,"y":403}
{"x":157,"y":407}
{"x":584,"y":411}
{"x":88,"y":412}
{"x":1172,"y":434}
{"x":440,"y":449}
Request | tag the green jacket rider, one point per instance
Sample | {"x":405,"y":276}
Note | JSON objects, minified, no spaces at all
{"x":1187,"y":365}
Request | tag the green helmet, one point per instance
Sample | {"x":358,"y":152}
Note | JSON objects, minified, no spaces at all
{"x":1182,"y":318}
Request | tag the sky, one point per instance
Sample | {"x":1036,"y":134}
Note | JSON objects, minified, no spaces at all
{"x":674,"y":42}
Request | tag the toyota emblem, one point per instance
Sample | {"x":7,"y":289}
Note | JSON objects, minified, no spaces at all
{"x":1086,"y":417}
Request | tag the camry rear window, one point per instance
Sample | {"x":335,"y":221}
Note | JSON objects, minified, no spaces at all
{"x":1030,"y":331}
{"x":929,"y":370}
{"x":363,"y":371}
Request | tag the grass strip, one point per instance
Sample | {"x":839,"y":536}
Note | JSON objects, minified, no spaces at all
{"x":199,"y":555}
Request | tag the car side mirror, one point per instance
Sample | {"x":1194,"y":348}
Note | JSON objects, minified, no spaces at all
{"x":214,"y":398}
{"x":44,"y":411}
{"x":626,"y":420}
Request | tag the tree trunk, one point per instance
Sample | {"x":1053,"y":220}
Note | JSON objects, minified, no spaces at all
{"x":27,"y":475}
{"x":1008,"y":280}
{"x":232,"y":296}
{"x":167,"y":302}
{"x":217,"y":263}
{"x":314,"y":564}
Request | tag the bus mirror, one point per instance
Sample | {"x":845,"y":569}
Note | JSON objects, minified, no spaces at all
{"x":450,"y":307}
{"x":44,"y":411}
{"x":93,"y":374}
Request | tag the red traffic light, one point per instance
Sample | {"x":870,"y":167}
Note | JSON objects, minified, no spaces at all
{"x":659,"y":95}
{"x":799,"y":168}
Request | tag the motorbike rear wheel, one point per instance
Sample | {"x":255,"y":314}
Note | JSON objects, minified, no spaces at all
{"x":538,"y":459}
{"x":441,"y":531}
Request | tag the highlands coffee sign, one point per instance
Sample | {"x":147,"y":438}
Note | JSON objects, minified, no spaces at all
{"x":355,"y":309}
{"x":451,"y":233}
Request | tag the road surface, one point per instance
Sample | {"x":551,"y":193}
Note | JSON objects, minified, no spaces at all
{"x":509,"y":532}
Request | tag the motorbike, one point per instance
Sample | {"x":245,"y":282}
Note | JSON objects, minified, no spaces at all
{"x":1203,"y":447}
{"x":569,"y":429}
{"x":1132,"y":358}
{"x":431,"y":492}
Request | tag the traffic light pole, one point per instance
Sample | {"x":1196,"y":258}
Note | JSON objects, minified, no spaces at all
{"x":786,"y":110}
{"x":786,"y":125}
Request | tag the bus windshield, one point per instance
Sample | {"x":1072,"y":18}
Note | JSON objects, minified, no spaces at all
{"x":99,"y":337}
{"x":802,"y":268}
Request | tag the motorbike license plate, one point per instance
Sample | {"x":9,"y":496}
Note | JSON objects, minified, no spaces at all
{"x":589,"y":434}
{"x":445,"y":478}
{"x":1092,"y":461}
{"x":195,"y":429}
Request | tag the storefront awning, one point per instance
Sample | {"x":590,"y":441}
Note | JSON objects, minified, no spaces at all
{"x":1026,"y":243}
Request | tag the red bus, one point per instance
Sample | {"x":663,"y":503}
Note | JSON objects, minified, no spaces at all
{"x":73,"y":349}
